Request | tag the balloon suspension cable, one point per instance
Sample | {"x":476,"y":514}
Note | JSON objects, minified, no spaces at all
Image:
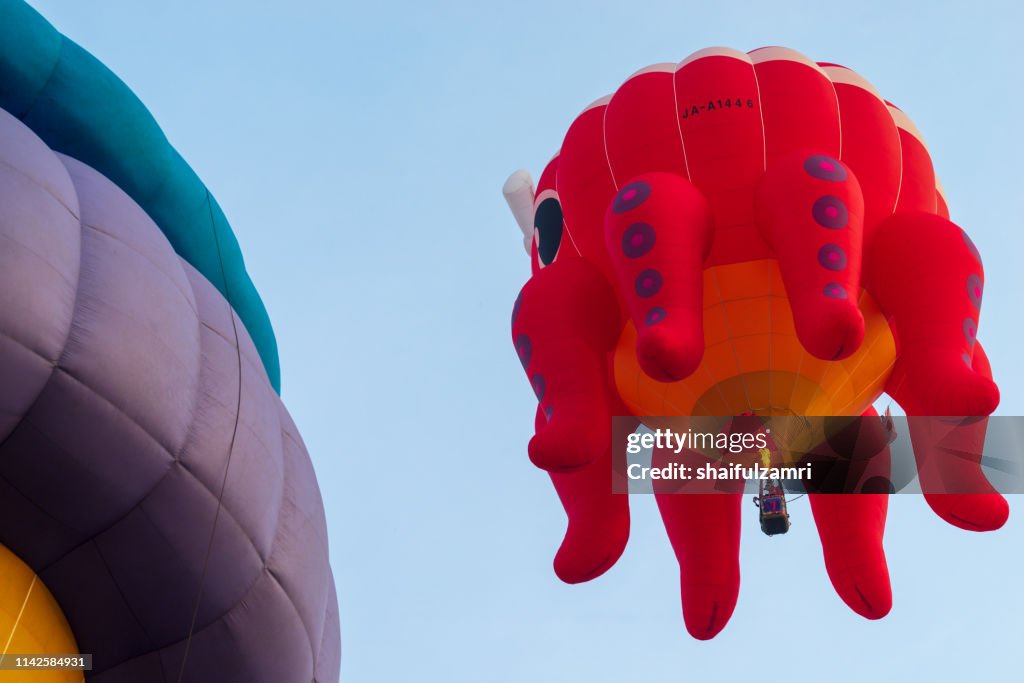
{"x":519,"y":193}
{"x":231,"y":444}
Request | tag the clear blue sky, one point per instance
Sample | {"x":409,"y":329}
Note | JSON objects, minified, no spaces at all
{"x":359,"y":150}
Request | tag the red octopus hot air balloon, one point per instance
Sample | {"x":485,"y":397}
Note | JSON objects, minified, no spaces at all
{"x":743,"y":234}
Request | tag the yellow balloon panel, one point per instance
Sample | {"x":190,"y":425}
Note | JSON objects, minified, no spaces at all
{"x":31,"y":622}
{"x":753,"y":361}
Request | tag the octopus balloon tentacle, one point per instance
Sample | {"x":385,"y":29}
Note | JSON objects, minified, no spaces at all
{"x":766,"y":235}
{"x":658,"y":231}
{"x":851,"y":528}
{"x":563,"y":341}
{"x":811,"y":215}
{"x":708,"y":553}
{"x":930,"y":284}
{"x":598,"y":519}
{"x":981,"y":510}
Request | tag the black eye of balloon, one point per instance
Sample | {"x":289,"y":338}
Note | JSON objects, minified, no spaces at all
{"x":548,"y":222}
